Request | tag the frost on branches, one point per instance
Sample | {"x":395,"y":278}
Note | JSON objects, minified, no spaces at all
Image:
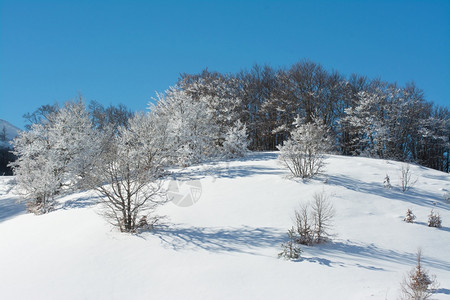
{"x":54,"y":156}
{"x":127,"y":176}
{"x":196,"y":132}
{"x":303,"y":153}
{"x":434,"y":220}
{"x":236,"y":141}
{"x":410,"y":217}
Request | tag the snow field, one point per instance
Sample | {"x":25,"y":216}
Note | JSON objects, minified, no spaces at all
{"x":225,"y":246}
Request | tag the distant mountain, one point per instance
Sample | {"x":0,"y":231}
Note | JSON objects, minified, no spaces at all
{"x":7,"y":133}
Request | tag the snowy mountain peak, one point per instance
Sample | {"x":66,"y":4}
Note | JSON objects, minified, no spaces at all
{"x":7,"y":133}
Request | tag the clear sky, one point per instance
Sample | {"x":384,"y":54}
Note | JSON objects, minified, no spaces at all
{"x":123,"y":51}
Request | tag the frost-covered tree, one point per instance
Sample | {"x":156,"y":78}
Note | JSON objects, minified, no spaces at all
{"x":128,"y":175}
{"x":367,"y":122}
{"x":410,"y":217}
{"x":54,"y":155}
{"x":192,"y":133}
{"x":236,"y":140}
{"x":434,"y":220}
{"x":303,"y":153}
{"x":387,"y":182}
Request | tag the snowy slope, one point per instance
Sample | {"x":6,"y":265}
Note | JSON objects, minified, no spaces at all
{"x":225,"y":246}
{"x":11,"y":132}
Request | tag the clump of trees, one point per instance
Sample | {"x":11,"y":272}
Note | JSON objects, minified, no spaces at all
{"x":54,"y":155}
{"x":313,"y":225}
{"x":123,"y":156}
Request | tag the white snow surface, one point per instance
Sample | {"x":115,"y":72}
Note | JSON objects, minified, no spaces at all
{"x":225,"y":246}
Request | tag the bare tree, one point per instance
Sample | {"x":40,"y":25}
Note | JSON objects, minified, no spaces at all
{"x":314,"y":220}
{"x":128,"y":174}
{"x":305,"y":232}
{"x":418,"y":285}
{"x":323,"y":214}
{"x":406,"y":178}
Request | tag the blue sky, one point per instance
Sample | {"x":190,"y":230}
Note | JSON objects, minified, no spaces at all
{"x":123,"y":51}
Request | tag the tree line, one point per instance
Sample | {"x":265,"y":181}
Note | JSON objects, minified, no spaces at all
{"x":363,"y":116}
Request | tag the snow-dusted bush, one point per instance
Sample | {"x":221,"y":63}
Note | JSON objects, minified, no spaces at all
{"x":127,"y":175}
{"x":418,"y":284}
{"x":434,"y":220}
{"x":54,"y":155}
{"x":314,"y":220}
{"x":236,"y":141}
{"x":410,"y":217}
{"x":303,"y":153}
{"x":387,"y":182}
{"x":290,"y":249}
{"x":447,"y":196}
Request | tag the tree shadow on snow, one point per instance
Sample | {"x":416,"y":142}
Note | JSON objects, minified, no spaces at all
{"x":243,"y":239}
{"x":363,"y":254}
{"x":437,"y":228}
{"x":9,"y":208}
{"x":80,"y":202}
{"x":442,"y":291}
{"x":229,"y":172}
{"x":415,"y":196}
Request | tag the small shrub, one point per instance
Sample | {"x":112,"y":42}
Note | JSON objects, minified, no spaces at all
{"x":447,"y":197}
{"x":290,"y":249}
{"x":434,"y":220}
{"x":410,"y":217}
{"x":418,"y":284}
{"x":387,"y":182}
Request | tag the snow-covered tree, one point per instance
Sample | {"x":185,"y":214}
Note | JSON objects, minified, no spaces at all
{"x":236,"y":141}
{"x":303,"y":153}
{"x":387,"y":182}
{"x":367,"y":122}
{"x":127,"y":176}
{"x":434,"y":220}
{"x":410,"y":217}
{"x":191,"y":130}
{"x":54,"y":155}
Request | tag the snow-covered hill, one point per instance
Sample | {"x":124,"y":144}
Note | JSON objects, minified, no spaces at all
{"x":7,"y":133}
{"x":225,"y":245}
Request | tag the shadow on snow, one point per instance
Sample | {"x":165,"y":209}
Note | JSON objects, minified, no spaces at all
{"x":244,"y":239}
{"x":9,"y":207}
{"x":413,"y":195}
